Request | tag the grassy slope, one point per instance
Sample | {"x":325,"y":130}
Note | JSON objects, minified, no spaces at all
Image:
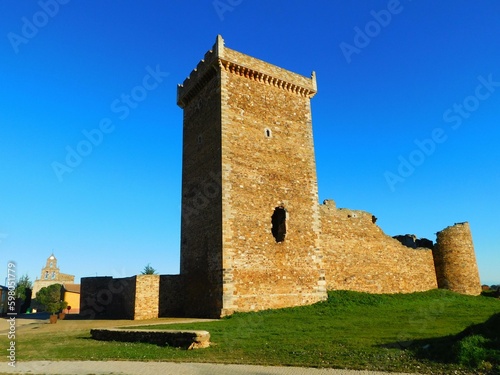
{"x":350,"y":330}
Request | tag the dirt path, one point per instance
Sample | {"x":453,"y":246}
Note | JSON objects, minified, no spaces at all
{"x":166,"y":368}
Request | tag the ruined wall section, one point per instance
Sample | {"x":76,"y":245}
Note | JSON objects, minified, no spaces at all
{"x":268,"y":161}
{"x":455,"y":260}
{"x":360,"y":256}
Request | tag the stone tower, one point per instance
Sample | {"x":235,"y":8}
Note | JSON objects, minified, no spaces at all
{"x":455,"y":260}
{"x":250,"y":215}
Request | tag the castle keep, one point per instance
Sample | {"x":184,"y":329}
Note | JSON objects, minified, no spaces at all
{"x":253,"y":234}
{"x":248,"y":131}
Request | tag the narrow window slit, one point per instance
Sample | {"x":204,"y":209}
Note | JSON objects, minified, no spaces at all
{"x":278,"y":221}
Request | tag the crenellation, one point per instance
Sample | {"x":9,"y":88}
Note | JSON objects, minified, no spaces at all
{"x":196,"y":79}
{"x":236,"y":62}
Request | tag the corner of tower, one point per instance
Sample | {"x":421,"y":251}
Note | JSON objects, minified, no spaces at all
{"x":313,"y":81}
{"x":219,"y":46}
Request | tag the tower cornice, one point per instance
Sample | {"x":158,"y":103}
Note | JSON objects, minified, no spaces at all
{"x":234,"y":62}
{"x":268,"y":79}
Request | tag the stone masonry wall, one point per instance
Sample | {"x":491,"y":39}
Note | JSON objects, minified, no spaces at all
{"x":252,"y":64}
{"x":106,"y":297}
{"x":201,"y":222}
{"x":147,"y":294}
{"x":171,"y":295}
{"x":268,"y":162}
{"x":360,"y":256}
{"x":455,"y":260}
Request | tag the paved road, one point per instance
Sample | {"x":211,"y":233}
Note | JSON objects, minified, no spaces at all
{"x":165,"y":368}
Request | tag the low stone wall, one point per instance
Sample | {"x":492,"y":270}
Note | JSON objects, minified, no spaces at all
{"x":182,"y":339}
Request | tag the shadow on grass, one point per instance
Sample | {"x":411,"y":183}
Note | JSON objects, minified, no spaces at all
{"x":476,"y":347}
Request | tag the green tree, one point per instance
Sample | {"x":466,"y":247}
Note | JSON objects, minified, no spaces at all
{"x":50,"y":298}
{"x":23,"y":284}
{"x":148,"y":270}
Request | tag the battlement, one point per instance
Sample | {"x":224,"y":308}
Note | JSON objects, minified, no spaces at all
{"x":329,"y":208}
{"x":235,"y":62}
{"x":200,"y":75}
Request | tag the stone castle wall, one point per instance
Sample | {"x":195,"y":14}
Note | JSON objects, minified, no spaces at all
{"x":268,"y":162}
{"x":201,"y":219}
{"x":105,"y":297}
{"x":172,"y":292}
{"x":359,"y":256}
{"x":147,"y":294}
{"x":455,"y":260}
{"x":248,"y":123}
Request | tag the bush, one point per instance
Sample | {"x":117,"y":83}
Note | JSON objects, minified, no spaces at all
{"x":478,"y":346}
{"x":471,"y":351}
{"x":50,"y":298}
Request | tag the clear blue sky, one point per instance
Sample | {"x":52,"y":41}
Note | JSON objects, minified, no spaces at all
{"x":391,"y":76}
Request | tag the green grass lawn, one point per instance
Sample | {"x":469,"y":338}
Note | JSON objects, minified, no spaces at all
{"x":400,"y":332}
